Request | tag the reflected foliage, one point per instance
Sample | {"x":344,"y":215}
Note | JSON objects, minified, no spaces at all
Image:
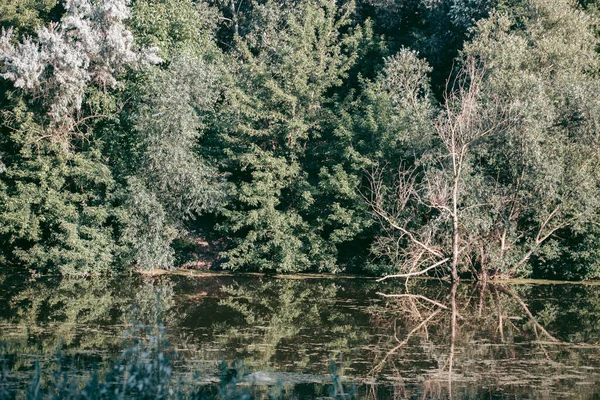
{"x":85,"y":318}
{"x":497,"y":335}
{"x":281,"y":319}
{"x":413,"y":339}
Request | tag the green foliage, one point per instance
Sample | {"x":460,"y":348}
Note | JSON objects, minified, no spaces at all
{"x":56,"y":213}
{"x":436,"y":29}
{"x":121,"y":186}
{"x":59,"y":201}
{"x":26,"y":15}
{"x":288,"y":61}
{"x":261,"y":121}
{"x":548,"y":154}
{"x":168,"y":123}
{"x":169,"y":183}
{"x":147,"y":231}
{"x":172,"y":184}
{"x":393,"y":121}
{"x":514,"y":159}
{"x":174,"y":25}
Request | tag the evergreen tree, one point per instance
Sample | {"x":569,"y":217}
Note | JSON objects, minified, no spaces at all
{"x":287,"y":62}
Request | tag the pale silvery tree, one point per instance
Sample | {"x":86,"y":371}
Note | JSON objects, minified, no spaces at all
{"x":90,"y":46}
{"x":434,"y":191}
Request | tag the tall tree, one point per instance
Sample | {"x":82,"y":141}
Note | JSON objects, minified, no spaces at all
{"x":153,"y":145}
{"x":544,"y":64}
{"x":287,"y":62}
{"x":516,"y":157}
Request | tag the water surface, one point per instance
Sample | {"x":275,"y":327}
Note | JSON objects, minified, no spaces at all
{"x":423,"y":339}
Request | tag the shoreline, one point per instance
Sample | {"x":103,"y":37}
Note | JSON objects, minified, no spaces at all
{"x":202,"y":273}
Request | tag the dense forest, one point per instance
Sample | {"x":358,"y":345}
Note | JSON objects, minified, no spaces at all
{"x":451,"y":137}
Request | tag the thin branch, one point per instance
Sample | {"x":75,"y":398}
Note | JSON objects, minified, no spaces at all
{"x":407,"y":233}
{"x":416,"y":296}
{"x":529,"y":314}
{"x":437,"y":264}
{"x":412,"y":332}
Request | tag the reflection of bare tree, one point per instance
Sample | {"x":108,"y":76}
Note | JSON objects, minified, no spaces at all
{"x":421,"y":325}
{"x":536,"y":325}
{"x":443,"y":330}
{"x":452,"y":337}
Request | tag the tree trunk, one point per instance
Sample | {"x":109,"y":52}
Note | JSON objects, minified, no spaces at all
{"x":234,"y":18}
{"x":452,"y":339}
{"x":455,"y":237}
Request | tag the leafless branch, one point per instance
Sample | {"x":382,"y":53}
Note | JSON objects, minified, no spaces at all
{"x":528,"y":312}
{"x":414,"y":296}
{"x":445,"y":260}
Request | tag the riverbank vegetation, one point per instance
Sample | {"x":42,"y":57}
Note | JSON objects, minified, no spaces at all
{"x":457,"y":138}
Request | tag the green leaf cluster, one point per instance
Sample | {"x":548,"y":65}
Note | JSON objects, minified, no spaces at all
{"x":262,"y":125}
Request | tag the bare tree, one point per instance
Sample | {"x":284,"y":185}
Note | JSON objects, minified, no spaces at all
{"x":437,"y":188}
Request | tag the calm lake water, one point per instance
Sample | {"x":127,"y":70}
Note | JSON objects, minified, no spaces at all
{"x":429,"y":340}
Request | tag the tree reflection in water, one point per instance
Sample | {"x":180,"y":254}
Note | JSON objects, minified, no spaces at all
{"x":284,"y":317}
{"x":484,"y":336}
{"x":417,"y":339}
{"x":84,"y":318}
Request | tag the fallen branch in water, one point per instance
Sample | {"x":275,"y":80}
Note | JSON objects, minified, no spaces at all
{"x":437,"y":264}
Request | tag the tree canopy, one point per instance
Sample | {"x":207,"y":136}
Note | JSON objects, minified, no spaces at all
{"x":369,"y":136}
